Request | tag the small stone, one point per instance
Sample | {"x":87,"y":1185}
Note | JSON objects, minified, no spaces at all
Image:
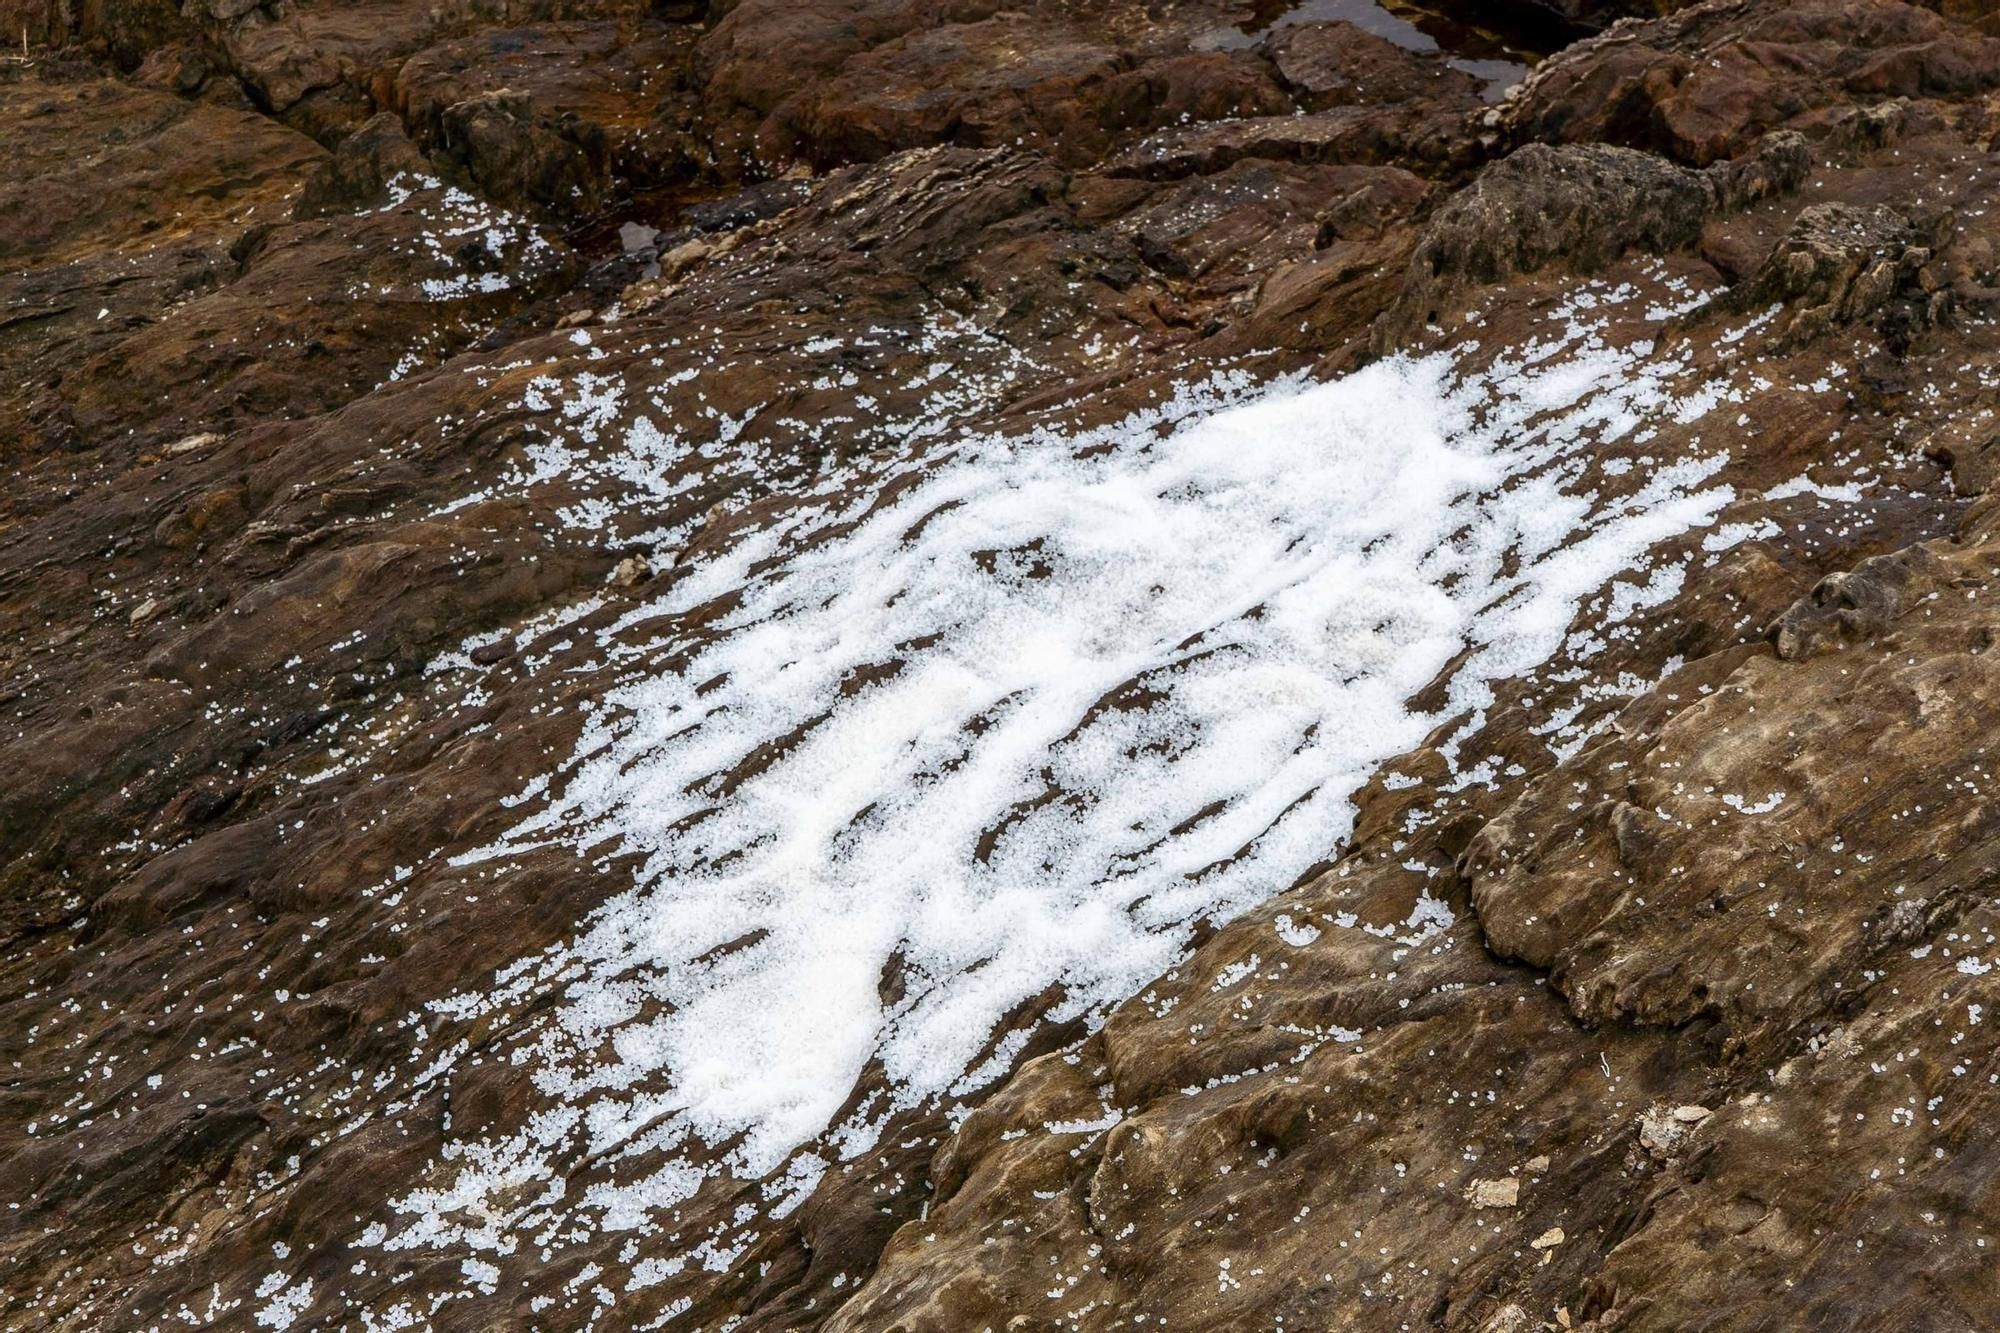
{"x":630,"y":572}
{"x":145,"y":611}
{"x":1661,"y":1130}
{"x":1549,"y":1239}
{"x":1538,"y":1165}
{"x":636,"y":238}
{"x":577,"y":319}
{"x":187,"y":444}
{"x":1502,"y":1193}
{"x":687,"y":254}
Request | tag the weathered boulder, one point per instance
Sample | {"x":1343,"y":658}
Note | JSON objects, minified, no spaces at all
{"x":521,"y":158}
{"x":1582,"y":205}
{"x":1839,"y":263}
{"x":1707,"y":81}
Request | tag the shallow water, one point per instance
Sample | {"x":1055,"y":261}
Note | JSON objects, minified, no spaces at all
{"x":1500,"y":58}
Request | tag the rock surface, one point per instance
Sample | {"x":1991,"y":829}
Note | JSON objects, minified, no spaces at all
{"x":1647,"y":992}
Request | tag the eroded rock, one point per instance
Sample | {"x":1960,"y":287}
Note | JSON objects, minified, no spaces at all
{"x":1839,"y":263}
{"x":1580,"y":205}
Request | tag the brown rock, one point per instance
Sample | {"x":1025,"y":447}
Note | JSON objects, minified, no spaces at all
{"x":1584,"y":206}
{"x":1337,"y":64}
{"x":1653,"y":992}
{"x":1839,"y":263}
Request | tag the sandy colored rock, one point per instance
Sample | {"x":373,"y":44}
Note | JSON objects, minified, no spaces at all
{"x":1502,"y":1193}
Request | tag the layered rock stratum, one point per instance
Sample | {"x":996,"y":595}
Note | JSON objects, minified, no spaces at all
{"x":929,"y":665}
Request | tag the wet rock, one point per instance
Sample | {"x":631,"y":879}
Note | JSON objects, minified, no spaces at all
{"x":601,"y":84}
{"x":1338,"y":64}
{"x":1069,"y":82}
{"x":557,"y":167}
{"x":766,"y":199}
{"x":1074,"y":98}
{"x":359,"y":173}
{"x":1502,"y":1193}
{"x":635,"y":239}
{"x":1704,"y":83}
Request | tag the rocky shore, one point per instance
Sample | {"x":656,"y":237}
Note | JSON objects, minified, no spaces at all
{"x":934,"y":665}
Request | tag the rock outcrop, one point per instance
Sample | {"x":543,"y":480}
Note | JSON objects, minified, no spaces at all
{"x":1587,"y":204}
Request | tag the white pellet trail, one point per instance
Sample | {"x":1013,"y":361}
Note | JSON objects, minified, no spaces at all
{"x":1142,"y":671}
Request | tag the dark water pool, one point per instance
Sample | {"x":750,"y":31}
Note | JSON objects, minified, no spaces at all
{"x":1497,"y":50}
